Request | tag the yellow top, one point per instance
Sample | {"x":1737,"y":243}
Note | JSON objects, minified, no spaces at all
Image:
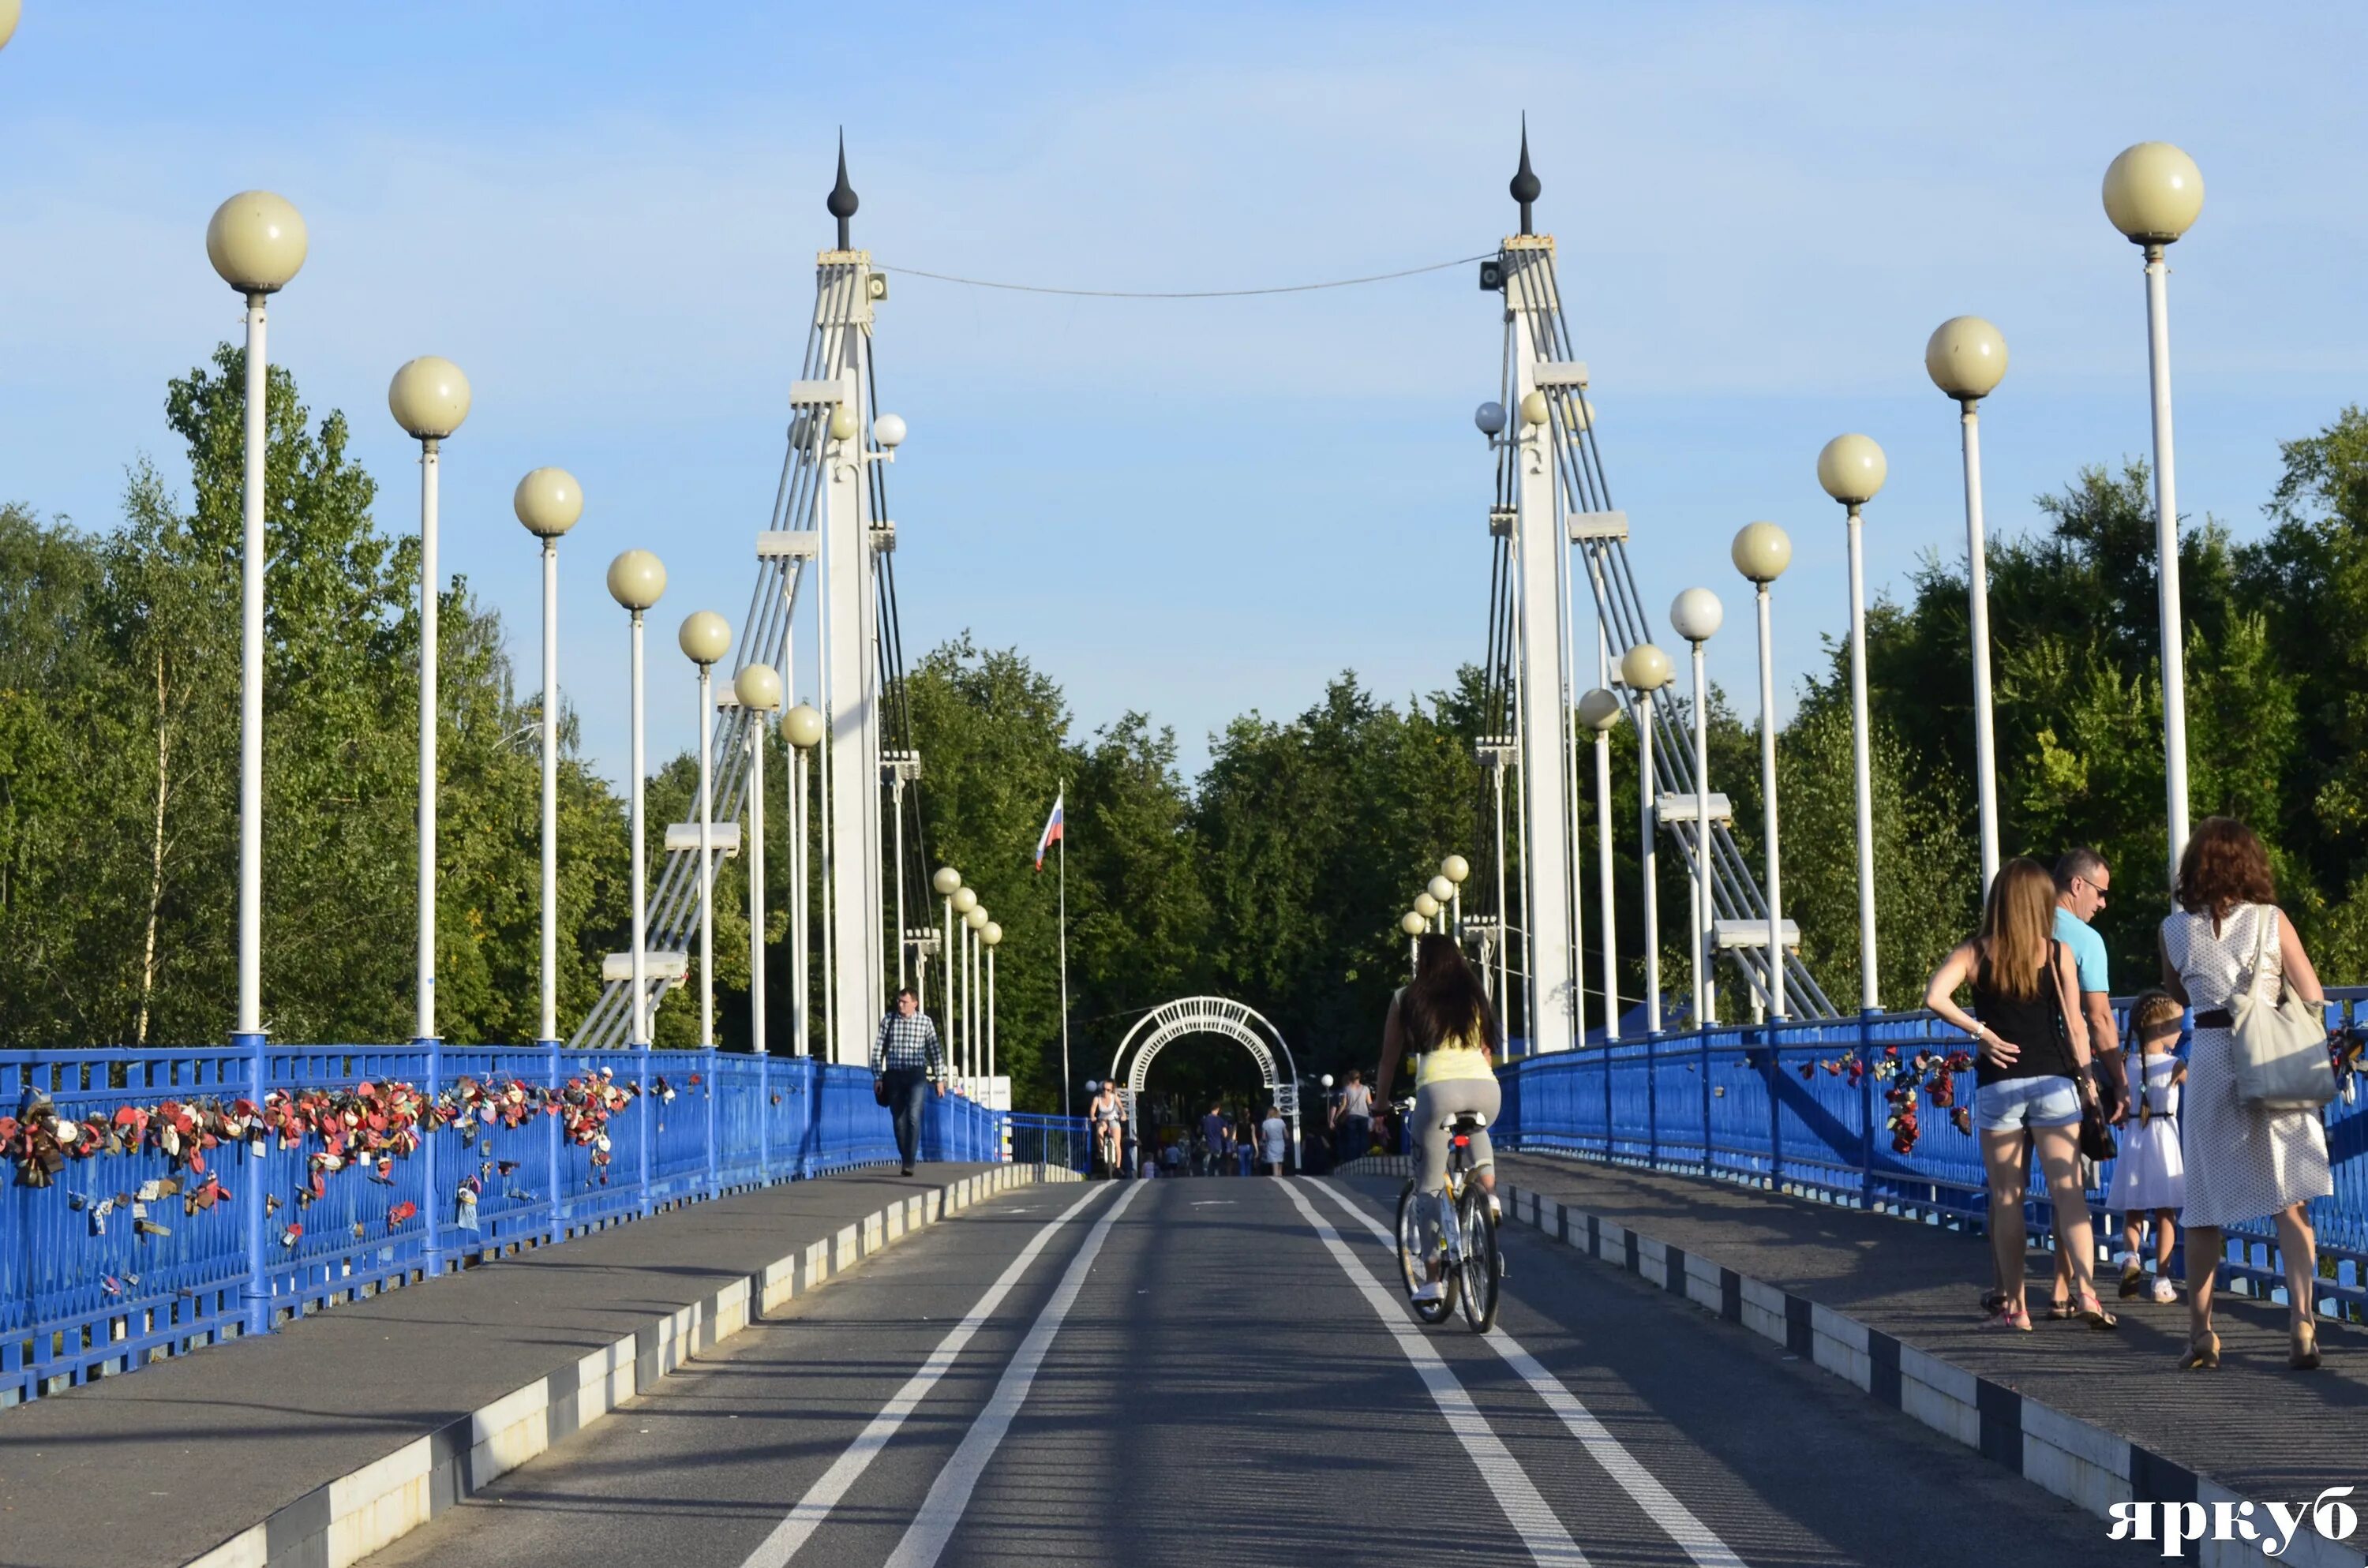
{"x":1466,"y":1058}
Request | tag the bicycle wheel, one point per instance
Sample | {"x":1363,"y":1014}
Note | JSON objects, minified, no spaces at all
{"x":1477,"y":1279}
{"x":1410,"y":1259}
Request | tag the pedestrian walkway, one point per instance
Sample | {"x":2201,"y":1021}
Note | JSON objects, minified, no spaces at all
{"x":348,"y":1426}
{"x":1893,"y":1305}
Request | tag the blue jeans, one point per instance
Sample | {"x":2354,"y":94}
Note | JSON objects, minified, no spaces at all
{"x":909,"y":1094}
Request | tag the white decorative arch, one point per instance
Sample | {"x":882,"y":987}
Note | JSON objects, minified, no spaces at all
{"x":1218,"y":1015}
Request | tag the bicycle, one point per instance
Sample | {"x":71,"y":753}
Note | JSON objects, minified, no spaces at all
{"x":1467,"y":1226}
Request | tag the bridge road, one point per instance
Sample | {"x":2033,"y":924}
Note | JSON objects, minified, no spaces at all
{"x":1195,"y":1372}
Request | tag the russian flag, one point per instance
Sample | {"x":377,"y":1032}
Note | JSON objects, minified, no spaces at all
{"x":1051,"y":832}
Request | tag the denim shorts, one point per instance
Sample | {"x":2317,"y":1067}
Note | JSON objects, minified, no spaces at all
{"x":2014,"y":1103}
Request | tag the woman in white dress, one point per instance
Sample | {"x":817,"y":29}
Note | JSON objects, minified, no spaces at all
{"x":2242,"y":1161}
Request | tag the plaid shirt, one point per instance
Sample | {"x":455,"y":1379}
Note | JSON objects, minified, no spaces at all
{"x":906,"y":1042}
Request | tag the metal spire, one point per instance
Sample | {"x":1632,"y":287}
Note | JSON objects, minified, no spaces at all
{"x":1525,"y":186}
{"x":842,"y":202}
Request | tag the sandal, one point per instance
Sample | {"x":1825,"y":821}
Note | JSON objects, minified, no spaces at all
{"x":2203,"y":1354}
{"x":2304,"y":1357}
{"x":2009,"y":1315}
{"x":2093,"y":1313}
{"x":2060,"y":1311}
{"x":2132,"y":1280}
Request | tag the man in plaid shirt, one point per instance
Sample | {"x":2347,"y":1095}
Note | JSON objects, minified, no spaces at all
{"x":903,"y":1061}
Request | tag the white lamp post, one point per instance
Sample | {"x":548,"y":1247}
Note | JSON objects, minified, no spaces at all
{"x":1696,"y":616}
{"x":636,"y":580}
{"x":1761,"y":551}
{"x":1599,"y":710}
{"x":1413,"y":925}
{"x":549,"y":501}
{"x":1967,"y":359}
{"x":991,"y":936}
{"x":948,"y":882}
{"x":705,"y":639}
{"x":2153,"y":194}
{"x":429,"y":398}
{"x":1455,"y":868}
{"x":1852,"y":469}
{"x":966,"y":900}
{"x":256,"y":241}
{"x":758,"y":687}
{"x":974,"y":925}
{"x":1646,"y":670}
{"x":803,"y":727}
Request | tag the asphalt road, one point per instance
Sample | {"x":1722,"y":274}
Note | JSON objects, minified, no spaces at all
{"x":1224,"y":1371}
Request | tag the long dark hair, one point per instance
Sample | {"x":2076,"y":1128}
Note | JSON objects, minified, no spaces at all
{"x":1445,"y":1002}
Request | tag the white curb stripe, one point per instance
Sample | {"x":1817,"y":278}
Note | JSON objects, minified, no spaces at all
{"x":1524,"y":1508}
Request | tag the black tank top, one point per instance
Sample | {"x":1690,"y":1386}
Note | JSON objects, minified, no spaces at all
{"x":2026,"y":1022}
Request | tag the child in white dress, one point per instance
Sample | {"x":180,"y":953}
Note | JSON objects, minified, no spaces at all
{"x":2149,"y":1178}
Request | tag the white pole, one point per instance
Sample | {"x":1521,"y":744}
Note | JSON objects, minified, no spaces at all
{"x":1649,"y":861}
{"x":551,"y":792}
{"x":250,"y":725}
{"x":801,"y":902}
{"x":990,"y":1025}
{"x":1978,"y":612}
{"x":641,"y":1035}
{"x":1768,"y":796}
{"x":1705,"y":987}
{"x":1063,"y":799}
{"x":952,"y":967}
{"x":429,"y":457}
{"x":706,"y":865}
{"x":1504,"y":911}
{"x":1863,"y":744}
{"x":2166,"y":546}
{"x":756,"y":863}
{"x":1566,"y":663}
{"x":896,"y":815}
{"x":974,"y":944}
{"x":1603,"y":841}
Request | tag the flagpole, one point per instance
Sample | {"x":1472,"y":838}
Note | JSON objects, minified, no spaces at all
{"x":1063,"y":799}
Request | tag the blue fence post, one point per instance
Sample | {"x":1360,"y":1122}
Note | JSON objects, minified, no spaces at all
{"x":1866,"y":1112}
{"x":809,"y":1142}
{"x":431,"y":1256}
{"x":251,"y":1215}
{"x":1603,"y":1054}
{"x":649,"y":1122}
{"x":708,"y":1060}
{"x":1701,"y":1041}
{"x":559,"y":1204}
{"x":764,"y":1119}
{"x":1652,"y":1100}
{"x":1775,"y":1069}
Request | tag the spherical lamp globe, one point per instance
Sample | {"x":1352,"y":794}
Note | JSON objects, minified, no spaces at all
{"x":705,"y":637}
{"x":947,"y":880}
{"x":548,"y":502}
{"x":8,"y":10}
{"x":637,"y":579}
{"x":1852,"y":469}
{"x":1577,"y":412}
{"x":1965,"y":357}
{"x":991,"y":934}
{"x":1426,"y":907}
{"x":1441,"y":889}
{"x":1599,"y":710}
{"x":2153,"y":193}
{"x":758,"y":687}
{"x":1533,"y":407}
{"x":842,"y":423}
{"x":801,"y":726}
{"x":1696,"y":615}
{"x":1455,"y":868}
{"x":888,"y":429}
{"x":1645,"y":667}
{"x":256,"y":240}
{"x":966,"y":900}
{"x":1761,"y":551}
{"x":975,"y":916}
{"x":1327,"y":1080}
{"x":1412,"y":923}
{"x":428,"y":397}
{"x":1490,"y":418}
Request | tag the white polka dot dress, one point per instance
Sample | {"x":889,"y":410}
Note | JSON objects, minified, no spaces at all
{"x":2242,"y":1163}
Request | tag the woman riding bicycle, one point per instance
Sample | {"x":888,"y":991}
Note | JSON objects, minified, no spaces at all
{"x":1444,"y":1017}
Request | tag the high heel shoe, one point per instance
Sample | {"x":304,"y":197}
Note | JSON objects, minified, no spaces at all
{"x":2304,"y":1357}
{"x":2203,"y":1354}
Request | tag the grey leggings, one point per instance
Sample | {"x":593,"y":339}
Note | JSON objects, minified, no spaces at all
{"x":1437,"y":1103}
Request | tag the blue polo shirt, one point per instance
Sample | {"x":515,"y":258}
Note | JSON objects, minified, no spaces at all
{"x":2088,"y":949}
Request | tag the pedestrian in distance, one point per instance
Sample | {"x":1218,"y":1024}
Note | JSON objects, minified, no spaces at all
{"x":1274,"y":1142}
{"x":1109,"y":1114}
{"x":1352,"y":1118}
{"x":2031,"y":1073}
{"x":1216,"y":1140}
{"x":904,"y":1063}
{"x":2151,"y":1177}
{"x":2227,"y":936}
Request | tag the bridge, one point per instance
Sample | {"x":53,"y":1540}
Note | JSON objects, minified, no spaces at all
{"x":268,"y":1302}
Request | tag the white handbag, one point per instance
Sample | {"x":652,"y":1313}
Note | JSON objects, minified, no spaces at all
{"x":2280,"y":1040}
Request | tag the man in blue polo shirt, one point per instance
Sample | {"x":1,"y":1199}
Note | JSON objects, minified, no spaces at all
{"x":2082,"y":881}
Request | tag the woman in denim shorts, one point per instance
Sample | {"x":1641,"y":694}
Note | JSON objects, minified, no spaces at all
{"x":2032,"y":1069}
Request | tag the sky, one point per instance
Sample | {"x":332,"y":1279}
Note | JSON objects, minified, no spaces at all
{"x":608,"y":216}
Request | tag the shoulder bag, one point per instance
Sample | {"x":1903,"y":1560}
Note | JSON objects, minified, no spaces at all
{"x":2279,"y":1042}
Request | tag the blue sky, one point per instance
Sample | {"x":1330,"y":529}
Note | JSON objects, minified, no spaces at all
{"x":608,"y":216}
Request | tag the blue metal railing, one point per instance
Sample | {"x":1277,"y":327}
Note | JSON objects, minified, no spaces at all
{"x":1780,"y":1106}
{"x":1060,"y":1141}
{"x":85,"y":1292}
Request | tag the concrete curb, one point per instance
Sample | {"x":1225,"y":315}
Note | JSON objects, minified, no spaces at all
{"x":1377,"y":1165}
{"x":342,"y":1521}
{"x":2082,"y":1464}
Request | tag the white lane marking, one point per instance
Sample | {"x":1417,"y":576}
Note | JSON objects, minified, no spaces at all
{"x":824,"y":1496}
{"x":949,"y":1495}
{"x":1524,"y":1508}
{"x":1674,"y":1517}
